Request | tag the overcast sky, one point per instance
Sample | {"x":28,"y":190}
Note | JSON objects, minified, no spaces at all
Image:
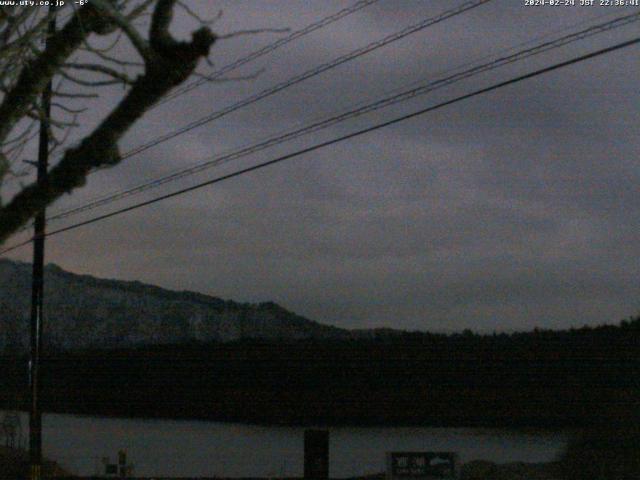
{"x":513,"y":210}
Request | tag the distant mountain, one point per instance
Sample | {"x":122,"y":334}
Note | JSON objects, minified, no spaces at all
{"x":87,"y":312}
{"x":187,"y":355}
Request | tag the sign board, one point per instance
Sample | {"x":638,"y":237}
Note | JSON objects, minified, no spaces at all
{"x":316,"y":454}
{"x":119,"y":470}
{"x":422,"y":465}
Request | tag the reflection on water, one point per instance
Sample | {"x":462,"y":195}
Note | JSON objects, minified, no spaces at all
{"x":196,"y":448}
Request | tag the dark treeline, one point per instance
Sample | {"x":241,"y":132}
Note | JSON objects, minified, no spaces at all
{"x":541,"y":378}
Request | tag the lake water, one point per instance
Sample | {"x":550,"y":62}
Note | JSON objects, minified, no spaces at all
{"x":197,"y":448}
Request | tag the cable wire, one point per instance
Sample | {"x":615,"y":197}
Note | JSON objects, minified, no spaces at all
{"x":269,"y":48}
{"x":342,"y":138}
{"x":323,"y":22}
{"x":308,"y":74}
{"x":279,"y":87}
{"x":325,"y":123}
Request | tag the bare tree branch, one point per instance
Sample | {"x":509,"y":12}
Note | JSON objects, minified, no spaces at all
{"x":20,"y":136}
{"x":67,"y":109}
{"x":90,"y":48}
{"x":95,"y":67}
{"x":37,"y":73}
{"x":38,"y":114}
{"x":139,"y":10}
{"x":168,"y":63}
{"x":87,"y":83}
{"x":123,"y":23}
{"x":194,"y":15}
{"x":56,"y":143}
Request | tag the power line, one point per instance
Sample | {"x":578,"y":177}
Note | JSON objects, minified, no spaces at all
{"x":342,"y":138}
{"x":323,"y":22}
{"x":396,"y":98}
{"x":295,"y":80}
{"x":269,"y":48}
{"x":308,"y":74}
{"x":288,"y":83}
{"x":351,"y":114}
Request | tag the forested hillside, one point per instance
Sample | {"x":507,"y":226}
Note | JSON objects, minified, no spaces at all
{"x":540,"y":378}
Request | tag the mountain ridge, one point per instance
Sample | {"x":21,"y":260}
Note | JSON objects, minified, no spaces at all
{"x":85,"y":311}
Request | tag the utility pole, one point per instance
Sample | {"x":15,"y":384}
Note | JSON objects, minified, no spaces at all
{"x":35,"y":414}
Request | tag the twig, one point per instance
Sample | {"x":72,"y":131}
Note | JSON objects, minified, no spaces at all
{"x":68,"y":109}
{"x":87,"y":83}
{"x":197,"y":17}
{"x":94,"y":67}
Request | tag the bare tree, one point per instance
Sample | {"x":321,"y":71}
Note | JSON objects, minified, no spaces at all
{"x":26,"y":67}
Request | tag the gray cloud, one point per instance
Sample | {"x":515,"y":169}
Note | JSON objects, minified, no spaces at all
{"x":508,"y":211}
